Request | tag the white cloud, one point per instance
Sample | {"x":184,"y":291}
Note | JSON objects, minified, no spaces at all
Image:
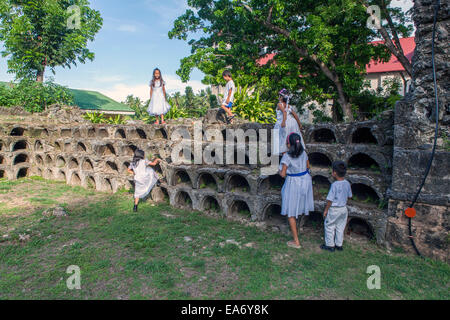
{"x":120,"y":91}
{"x":127,"y":28}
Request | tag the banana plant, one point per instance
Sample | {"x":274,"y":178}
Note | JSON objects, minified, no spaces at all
{"x":95,"y":117}
{"x":175,"y":112}
{"x":118,"y":119}
{"x":248,"y":105}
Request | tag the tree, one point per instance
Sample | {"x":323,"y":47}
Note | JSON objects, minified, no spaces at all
{"x":189,"y":96}
{"x":321,"y":46}
{"x":397,"y":23}
{"x":136,"y":105}
{"x":40,"y":33}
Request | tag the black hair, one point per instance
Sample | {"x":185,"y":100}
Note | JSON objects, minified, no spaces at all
{"x":138,"y":156}
{"x":296,"y":148}
{"x":227,"y":73}
{"x":284,"y":95}
{"x":161,"y":81}
{"x":340,"y":168}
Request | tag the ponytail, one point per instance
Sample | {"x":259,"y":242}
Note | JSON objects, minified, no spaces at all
{"x":296,"y":147}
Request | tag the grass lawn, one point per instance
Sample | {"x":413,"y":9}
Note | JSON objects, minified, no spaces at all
{"x":165,"y":253}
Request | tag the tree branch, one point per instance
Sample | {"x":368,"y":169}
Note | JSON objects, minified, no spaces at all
{"x":392,"y":27}
{"x":398,"y":53}
{"x":269,"y":18}
{"x":330,"y":74}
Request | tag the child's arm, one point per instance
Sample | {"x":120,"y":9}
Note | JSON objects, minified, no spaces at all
{"x":307,"y":165}
{"x":283,"y":109}
{"x":130,"y":171}
{"x":164,"y":91}
{"x":155,"y":162}
{"x":325,"y":212}
{"x":151,"y":92}
{"x":283,"y":171}
{"x":294,"y":114}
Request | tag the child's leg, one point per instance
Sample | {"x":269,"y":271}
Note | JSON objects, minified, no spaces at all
{"x":301,"y":222}
{"x":162,"y":118}
{"x":330,"y":228}
{"x":227,"y":110}
{"x":136,"y":201}
{"x":341,"y":222}
{"x":293,"y":225}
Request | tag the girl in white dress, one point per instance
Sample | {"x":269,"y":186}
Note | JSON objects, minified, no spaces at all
{"x":297,"y":192}
{"x":287,"y":122}
{"x":145,"y":177}
{"x":158,"y":106}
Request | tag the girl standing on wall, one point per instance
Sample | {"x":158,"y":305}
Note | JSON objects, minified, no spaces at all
{"x":158,"y":106}
{"x":287,"y":123}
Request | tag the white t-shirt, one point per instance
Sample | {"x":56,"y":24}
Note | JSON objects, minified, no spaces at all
{"x":294,"y":165}
{"x":339,"y":193}
{"x":230,"y":85}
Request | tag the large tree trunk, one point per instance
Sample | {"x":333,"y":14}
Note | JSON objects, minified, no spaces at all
{"x":344,"y":103}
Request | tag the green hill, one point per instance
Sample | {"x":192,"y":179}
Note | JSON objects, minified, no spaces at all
{"x":94,"y":101}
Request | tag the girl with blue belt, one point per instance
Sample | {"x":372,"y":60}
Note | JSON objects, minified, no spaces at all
{"x":297,"y":192}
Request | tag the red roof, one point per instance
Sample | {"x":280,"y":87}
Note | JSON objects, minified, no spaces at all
{"x":265,"y":60}
{"x":408,"y":46}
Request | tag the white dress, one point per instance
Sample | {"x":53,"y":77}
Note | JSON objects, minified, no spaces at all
{"x":297,"y":192}
{"x":145,"y":178}
{"x":158,"y":104}
{"x":279,"y":145}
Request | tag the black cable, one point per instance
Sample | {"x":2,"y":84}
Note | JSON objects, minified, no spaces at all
{"x":427,"y":171}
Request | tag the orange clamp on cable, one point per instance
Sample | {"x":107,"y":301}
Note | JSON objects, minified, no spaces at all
{"x":410,"y":212}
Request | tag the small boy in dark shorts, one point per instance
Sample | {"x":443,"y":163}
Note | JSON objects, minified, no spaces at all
{"x":228,"y":99}
{"x":336,"y":213}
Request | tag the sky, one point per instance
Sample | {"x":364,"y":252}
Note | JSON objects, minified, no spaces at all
{"x":132,"y":42}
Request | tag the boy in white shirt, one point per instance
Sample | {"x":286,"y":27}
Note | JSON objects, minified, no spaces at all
{"x":228,"y":99}
{"x":336,"y":213}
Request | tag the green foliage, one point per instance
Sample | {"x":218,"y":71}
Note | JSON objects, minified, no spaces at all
{"x":95,"y":117}
{"x":319,"y":114}
{"x":117,"y":119}
{"x":137,"y":106}
{"x":175,"y":113}
{"x":35,"y":35}
{"x":446,"y":140}
{"x":322,"y":47}
{"x":6,"y":96}
{"x":370,"y":103}
{"x":34,"y":96}
{"x":99,"y":117}
{"x":251,"y":107}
